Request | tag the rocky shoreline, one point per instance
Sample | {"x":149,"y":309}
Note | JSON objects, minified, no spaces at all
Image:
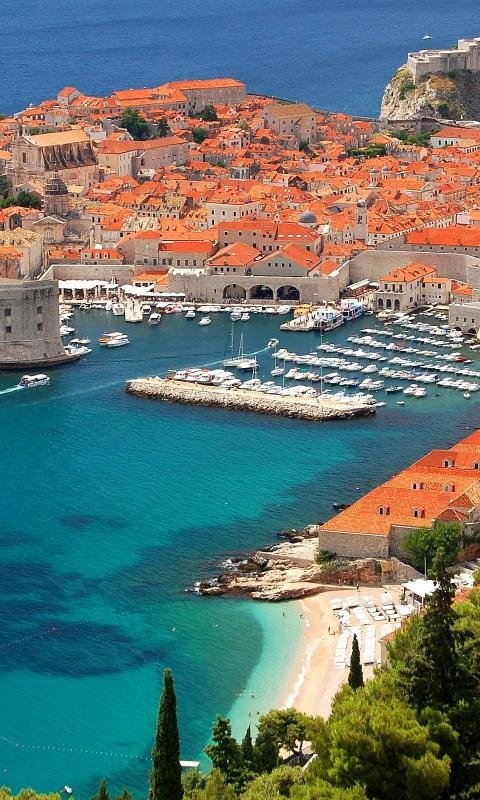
{"x":306,"y":408}
{"x":289,"y":571}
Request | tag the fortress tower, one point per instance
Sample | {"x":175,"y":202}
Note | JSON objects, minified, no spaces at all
{"x":29,"y":325}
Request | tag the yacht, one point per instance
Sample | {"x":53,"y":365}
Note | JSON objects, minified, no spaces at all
{"x":235,"y":316}
{"x":391,"y":389}
{"x":154,"y":318}
{"x":115,"y":339}
{"x":32,"y":381}
{"x":118,"y":341}
{"x":118,"y":309}
{"x":146,"y":308}
{"x":205,"y":321}
{"x":245,"y":316}
{"x":66,"y":330}
{"x":190,"y":314}
{"x":240,"y":361}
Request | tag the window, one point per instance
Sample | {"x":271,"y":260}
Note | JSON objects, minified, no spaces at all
{"x":39,"y":327}
{"x":384,"y":511}
{"x":416,"y":485}
{"x":8,"y":328}
{"x":447,"y":463}
{"x":8,"y":312}
{"x":39,"y":309}
{"x":476,"y":465}
{"x":24,"y":158}
{"x":418,"y":512}
{"x":449,"y":487}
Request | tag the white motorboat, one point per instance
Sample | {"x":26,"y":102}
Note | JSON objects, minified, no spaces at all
{"x":77,"y":350}
{"x":245,"y":316}
{"x":205,"y":321}
{"x":66,"y":330}
{"x":154,"y":318}
{"x":118,"y":309}
{"x":190,"y":314}
{"x":115,"y":339}
{"x":119,"y":341}
{"x":235,"y":316}
{"x":146,"y":308}
{"x":32,"y":381}
{"x":392,"y":389}
{"x":276,"y":371}
{"x":283,"y":309}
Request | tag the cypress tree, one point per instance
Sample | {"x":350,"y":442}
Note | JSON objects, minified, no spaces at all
{"x":432,"y":676}
{"x":102,"y":792}
{"x":125,"y":795}
{"x":166,"y":773}
{"x":355,"y":676}
{"x":247,"y":750}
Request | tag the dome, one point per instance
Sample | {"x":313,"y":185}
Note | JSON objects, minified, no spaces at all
{"x":307,"y":218}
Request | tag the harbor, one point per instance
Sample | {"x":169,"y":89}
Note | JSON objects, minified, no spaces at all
{"x":313,"y":408}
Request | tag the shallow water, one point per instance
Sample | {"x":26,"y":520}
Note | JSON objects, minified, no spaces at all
{"x":112,"y":505}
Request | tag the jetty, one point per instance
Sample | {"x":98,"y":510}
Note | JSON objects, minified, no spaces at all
{"x":308,"y":408}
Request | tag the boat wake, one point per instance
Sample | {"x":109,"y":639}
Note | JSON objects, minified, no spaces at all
{"x":11,"y":389}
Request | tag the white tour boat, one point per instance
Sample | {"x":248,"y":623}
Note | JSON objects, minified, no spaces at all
{"x":32,"y":381}
{"x":118,"y":309}
{"x":154,"y":318}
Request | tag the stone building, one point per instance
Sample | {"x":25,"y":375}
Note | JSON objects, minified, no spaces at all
{"x":37,"y":159}
{"x":29,"y":325}
{"x":442,"y":486}
{"x":210,"y":91}
{"x":466,"y":56}
{"x":56,"y":201}
{"x":295,"y":120}
{"x":412,"y":286}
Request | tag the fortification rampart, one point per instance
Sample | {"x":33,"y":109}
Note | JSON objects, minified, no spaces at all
{"x":466,"y":56}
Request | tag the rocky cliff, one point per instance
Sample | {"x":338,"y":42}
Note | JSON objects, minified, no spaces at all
{"x":453,"y":95}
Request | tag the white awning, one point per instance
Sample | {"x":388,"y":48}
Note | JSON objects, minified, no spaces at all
{"x":420,"y":588}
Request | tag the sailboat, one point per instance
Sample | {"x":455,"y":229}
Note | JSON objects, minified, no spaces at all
{"x":426,"y":36}
{"x":239,"y":361}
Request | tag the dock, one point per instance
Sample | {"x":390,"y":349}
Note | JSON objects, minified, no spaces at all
{"x":307,"y":408}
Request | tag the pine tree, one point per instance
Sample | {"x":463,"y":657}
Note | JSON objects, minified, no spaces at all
{"x":266,"y":751}
{"x":166,"y":773}
{"x":247,"y":750}
{"x":355,"y":676}
{"x":225,"y":752}
{"x":125,"y":795}
{"x":102,"y":792}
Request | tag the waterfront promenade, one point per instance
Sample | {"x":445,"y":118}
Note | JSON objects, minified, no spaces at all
{"x":307,"y":408}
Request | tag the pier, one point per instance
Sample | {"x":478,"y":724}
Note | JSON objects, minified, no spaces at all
{"x":309,"y":408}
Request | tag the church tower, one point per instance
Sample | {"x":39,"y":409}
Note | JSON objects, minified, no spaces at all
{"x":361,"y":221}
{"x":56,"y":202}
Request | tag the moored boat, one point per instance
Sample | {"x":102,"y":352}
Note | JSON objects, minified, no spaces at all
{"x":32,"y":381}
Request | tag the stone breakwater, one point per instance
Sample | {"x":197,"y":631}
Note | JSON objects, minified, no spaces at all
{"x":308,"y":408}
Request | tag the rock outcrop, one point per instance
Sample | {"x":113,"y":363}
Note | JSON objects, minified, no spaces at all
{"x":452,"y":96}
{"x":288,"y":571}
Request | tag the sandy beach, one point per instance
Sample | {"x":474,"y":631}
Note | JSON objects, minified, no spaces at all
{"x":316,"y":679}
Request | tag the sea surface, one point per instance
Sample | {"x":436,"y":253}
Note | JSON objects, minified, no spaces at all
{"x":336,"y":55}
{"x":113,"y":505}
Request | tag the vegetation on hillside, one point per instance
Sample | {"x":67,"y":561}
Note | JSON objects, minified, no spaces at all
{"x":412,"y":732}
{"x":22,"y":198}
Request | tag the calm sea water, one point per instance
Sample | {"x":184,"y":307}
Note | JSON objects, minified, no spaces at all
{"x":336,"y":55}
{"x":112,"y":505}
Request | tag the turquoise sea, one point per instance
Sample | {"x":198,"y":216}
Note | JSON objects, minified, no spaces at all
{"x":112,"y":506}
{"x":337,"y":55}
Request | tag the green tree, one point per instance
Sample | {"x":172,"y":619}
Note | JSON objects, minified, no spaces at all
{"x":424,"y":543}
{"x":125,"y":795}
{"x":433,"y":675}
{"x":355,"y":676}
{"x":288,"y":726}
{"x":166,"y":773}
{"x":208,"y":113}
{"x":304,"y":146}
{"x":374,"y":740}
{"x":193,"y":782}
{"x":24,"y":199}
{"x":321,"y":790}
{"x":136,"y":125}
{"x":476,"y":577}
{"x":102,"y":792}
{"x":217,"y":788}
{"x":275,"y":786}
{"x":265,"y":751}
{"x":225,"y":752}
{"x":199,"y":135}
{"x":248,"y":753}
{"x":163,"y":128}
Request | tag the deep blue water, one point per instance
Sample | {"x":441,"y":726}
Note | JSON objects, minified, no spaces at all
{"x":112,"y":505}
{"x":337,"y":55}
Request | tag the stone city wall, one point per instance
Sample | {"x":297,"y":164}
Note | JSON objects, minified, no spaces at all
{"x":354,"y":545}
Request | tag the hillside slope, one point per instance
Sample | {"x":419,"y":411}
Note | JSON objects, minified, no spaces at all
{"x":455,"y":95}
